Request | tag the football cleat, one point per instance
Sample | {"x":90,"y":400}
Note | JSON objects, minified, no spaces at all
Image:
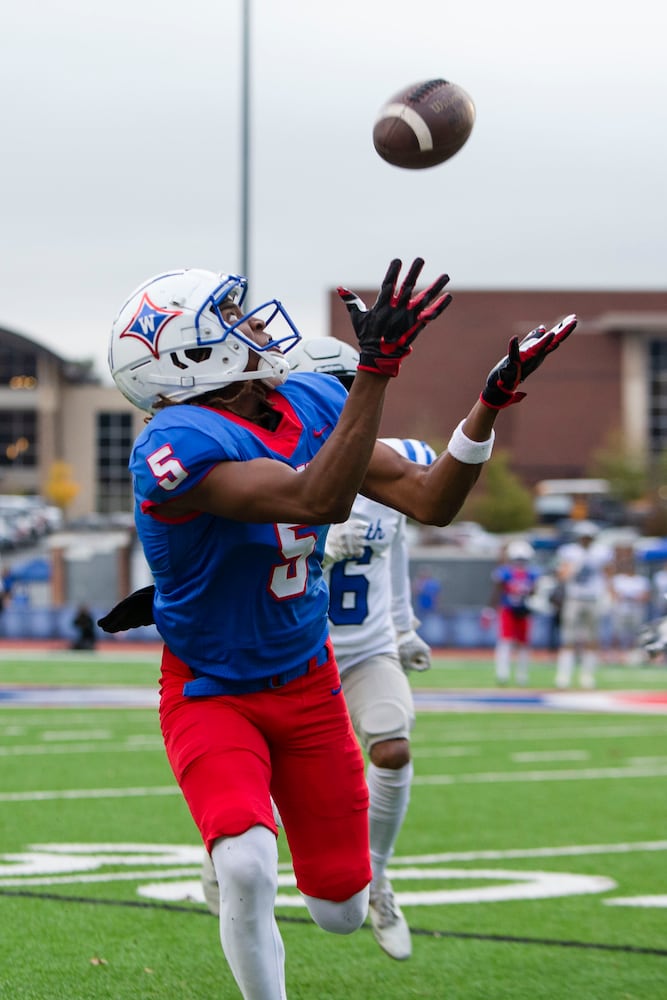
{"x":390,"y":927}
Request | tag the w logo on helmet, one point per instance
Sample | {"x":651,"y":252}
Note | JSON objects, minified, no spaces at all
{"x":148,"y":323}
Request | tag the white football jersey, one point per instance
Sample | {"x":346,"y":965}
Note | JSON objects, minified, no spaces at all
{"x":586,"y":580}
{"x":370,"y":599}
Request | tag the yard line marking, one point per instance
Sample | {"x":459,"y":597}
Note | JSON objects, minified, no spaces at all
{"x":585,"y":774}
{"x":528,"y":756}
{"x":489,"y":777}
{"x":571,"y":850}
{"x":94,"y":877}
{"x":484,"y":734}
{"x":89,"y":793}
{"x":65,"y":736}
{"x":657,"y":901}
{"x":80,"y":748}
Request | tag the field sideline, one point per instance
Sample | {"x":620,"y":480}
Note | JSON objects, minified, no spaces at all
{"x":532,"y":864}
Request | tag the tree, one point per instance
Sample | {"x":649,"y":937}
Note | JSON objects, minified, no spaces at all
{"x":628,"y":473}
{"x":504,"y":504}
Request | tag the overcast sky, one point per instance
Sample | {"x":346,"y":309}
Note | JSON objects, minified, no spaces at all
{"x":120,"y":150}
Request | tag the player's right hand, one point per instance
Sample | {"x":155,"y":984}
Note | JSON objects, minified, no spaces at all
{"x":345,"y":541}
{"x":386,"y":331}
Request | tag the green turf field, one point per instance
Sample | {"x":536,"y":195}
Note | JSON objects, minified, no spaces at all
{"x":533,"y":862}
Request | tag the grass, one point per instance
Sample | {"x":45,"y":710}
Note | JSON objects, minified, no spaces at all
{"x":99,"y":857}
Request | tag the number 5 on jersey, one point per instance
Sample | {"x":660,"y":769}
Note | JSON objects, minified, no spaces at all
{"x":166,"y":468}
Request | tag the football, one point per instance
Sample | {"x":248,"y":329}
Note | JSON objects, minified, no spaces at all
{"x":424,"y":124}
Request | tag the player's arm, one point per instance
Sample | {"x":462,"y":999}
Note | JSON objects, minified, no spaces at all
{"x":430,"y":494}
{"x":434,"y":494}
{"x":265,"y":490}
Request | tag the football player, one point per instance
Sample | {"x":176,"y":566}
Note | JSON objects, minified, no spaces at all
{"x":237,"y":476}
{"x":372,"y":626}
{"x":514,"y":584}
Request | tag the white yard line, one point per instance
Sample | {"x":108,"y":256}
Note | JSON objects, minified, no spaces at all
{"x":585,"y":774}
{"x":452,"y":735}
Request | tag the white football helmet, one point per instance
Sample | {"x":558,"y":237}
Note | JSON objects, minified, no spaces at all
{"x":170,"y":338}
{"x":411,"y":448}
{"x":519,"y":549}
{"x":326,"y":354}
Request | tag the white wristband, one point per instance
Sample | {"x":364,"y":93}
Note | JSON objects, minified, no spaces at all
{"x":467,"y":451}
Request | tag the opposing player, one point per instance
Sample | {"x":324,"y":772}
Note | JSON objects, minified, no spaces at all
{"x":237,"y":476}
{"x":372,"y":627}
{"x":583,"y":567}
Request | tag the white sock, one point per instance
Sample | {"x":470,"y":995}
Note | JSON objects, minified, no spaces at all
{"x":522,"y":658}
{"x":247,"y":871}
{"x":589,"y":662}
{"x":564,"y":668}
{"x":503,"y":655}
{"x":389,"y":794}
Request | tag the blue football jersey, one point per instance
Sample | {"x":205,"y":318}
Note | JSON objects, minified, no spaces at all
{"x":235,"y":601}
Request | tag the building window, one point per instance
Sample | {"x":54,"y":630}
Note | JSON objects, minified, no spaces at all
{"x":114,"y":443}
{"x":18,"y":438}
{"x":18,"y":368}
{"x":657,"y":396}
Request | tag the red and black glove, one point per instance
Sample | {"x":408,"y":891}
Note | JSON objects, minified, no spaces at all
{"x":520,"y":361}
{"x":386,"y":331}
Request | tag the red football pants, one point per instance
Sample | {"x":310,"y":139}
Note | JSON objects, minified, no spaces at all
{"x":232,"y":753}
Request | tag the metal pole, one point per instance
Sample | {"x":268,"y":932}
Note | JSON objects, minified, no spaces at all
{"x":245,"y":141}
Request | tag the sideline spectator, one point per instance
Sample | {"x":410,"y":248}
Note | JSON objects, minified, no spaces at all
{"x":85,"y":625}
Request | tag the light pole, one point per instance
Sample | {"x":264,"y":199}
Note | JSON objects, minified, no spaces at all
{"x":245,"y":140}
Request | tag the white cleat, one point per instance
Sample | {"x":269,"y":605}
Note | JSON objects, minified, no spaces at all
{"x":390,"y":927}
{"x":209,"y":884}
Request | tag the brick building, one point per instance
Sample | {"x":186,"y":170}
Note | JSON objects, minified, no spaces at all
{"x":610,"y":376}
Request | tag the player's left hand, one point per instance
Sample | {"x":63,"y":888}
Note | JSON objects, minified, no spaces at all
{"x":132,"y":612}
{"x":386,"y":331}
{"x":413,"y":652}
{"x":521,"y":360}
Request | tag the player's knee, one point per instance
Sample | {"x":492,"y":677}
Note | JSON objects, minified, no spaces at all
{"x":390,"y":754}
{"x":339,"y":918}
{"x":246,"y":865}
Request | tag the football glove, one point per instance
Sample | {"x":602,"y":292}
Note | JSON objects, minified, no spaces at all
{"x":413,"y":652}
{"x":521,"y":360}
{"x":386,"y":331}
{"x":131,"y":612}
{"x":344,"y":541}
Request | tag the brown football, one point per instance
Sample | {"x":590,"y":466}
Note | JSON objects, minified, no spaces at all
{"x":424,"y":124}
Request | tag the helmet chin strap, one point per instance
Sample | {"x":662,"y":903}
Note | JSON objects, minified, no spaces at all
{"x":275,"y":365}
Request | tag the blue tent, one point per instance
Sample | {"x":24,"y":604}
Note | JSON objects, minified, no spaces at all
{"x":32,"y":571}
